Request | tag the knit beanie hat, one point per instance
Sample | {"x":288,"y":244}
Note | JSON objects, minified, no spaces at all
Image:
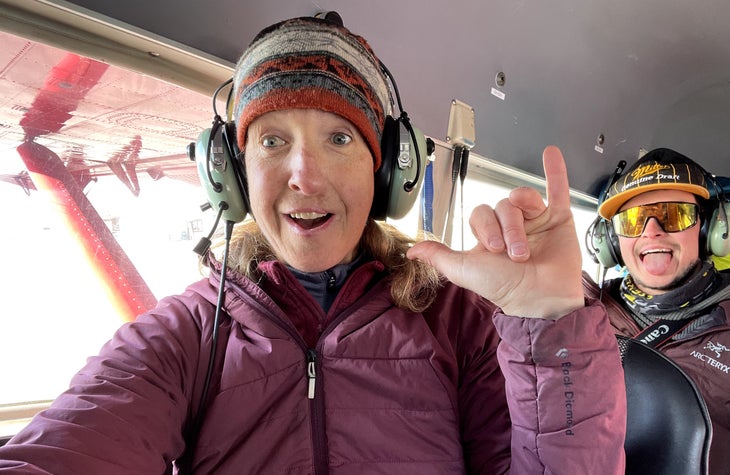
{"x":660,"y":169}
{"x":311,"y":63}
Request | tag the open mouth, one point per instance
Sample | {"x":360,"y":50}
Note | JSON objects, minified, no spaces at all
{"x":309,"y":220}
{"x":652,"y":253}
{"x":657,"y":261}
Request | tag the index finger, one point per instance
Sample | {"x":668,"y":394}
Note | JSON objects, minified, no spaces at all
{"x":556,"y":178}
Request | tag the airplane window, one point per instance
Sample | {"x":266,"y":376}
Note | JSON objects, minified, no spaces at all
{"x":101,"y":211}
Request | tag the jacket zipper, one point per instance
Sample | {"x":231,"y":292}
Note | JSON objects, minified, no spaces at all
{"x":316,"y":400}
{"x":311,"y":372}
{"x":316,"y":411}
{"x":320,"y":460}
{"x":314,"y":392}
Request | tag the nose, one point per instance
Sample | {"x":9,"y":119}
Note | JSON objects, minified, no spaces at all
{"x":653,"y":227}
{"x":306,"y":171}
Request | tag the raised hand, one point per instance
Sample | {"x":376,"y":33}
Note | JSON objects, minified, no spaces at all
{"x":527,"y":259}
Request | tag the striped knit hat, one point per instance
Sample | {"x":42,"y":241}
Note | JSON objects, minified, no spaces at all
{"x":310,"y":63}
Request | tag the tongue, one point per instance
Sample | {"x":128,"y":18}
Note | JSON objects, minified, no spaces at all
{"x":311,"y":223}
{"x":657,"y":263}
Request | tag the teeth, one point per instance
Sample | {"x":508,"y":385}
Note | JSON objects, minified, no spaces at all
{"x":309,"y":215}
{"x":655,"y":251}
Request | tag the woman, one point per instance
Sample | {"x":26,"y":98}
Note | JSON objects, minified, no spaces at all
{"x":341,"y":348}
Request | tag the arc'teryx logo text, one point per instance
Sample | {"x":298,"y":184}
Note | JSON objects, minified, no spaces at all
{"x":717,"y":348}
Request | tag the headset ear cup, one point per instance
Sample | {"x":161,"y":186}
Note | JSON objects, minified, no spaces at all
{"x":384,"y":174}
{"x":218,"y":173}
{"x":398,"y":181}
{"x":605,"y":247}
{"x":238,"y":163}
{"x":718,"y":241}
{"x":614,"y":245}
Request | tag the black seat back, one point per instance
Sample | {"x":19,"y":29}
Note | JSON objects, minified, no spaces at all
{"x":668,"y":425}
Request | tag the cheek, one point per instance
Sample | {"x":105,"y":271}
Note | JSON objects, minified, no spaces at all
{"x":259,"y":186}
{"x":366,"y":185}
{"x":690,"y":244}
{"x":361,"y":190}
{"x":626,"y":246}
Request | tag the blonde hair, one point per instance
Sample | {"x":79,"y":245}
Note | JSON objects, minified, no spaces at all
{"x":413,"y":284}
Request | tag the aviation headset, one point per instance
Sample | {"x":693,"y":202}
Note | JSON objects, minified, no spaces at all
{"x":221,"y":167}
{"x":603,"y":244}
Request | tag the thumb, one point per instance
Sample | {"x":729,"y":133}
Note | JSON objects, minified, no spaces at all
{"x":447,"y":261}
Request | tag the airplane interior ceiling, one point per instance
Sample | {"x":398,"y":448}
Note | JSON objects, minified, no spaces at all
{"x":599,"y":79}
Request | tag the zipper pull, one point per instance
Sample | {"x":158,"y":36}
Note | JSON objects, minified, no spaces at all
{"x":331,"y":280}
{"x":311,"y":371}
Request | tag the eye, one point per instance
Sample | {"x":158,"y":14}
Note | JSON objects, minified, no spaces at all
{"x":271,"y":141}
{"x":341,"y":138}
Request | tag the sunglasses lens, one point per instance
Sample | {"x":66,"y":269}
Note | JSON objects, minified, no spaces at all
{"x":673,"y":217}
{"x":680,"y":216}
{"x":630,"y":222}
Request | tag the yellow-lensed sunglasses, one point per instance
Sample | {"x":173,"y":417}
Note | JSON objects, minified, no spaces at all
{"x":672,"y":216}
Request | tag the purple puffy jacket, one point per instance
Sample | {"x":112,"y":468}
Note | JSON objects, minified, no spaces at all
{"x":383,"y":390}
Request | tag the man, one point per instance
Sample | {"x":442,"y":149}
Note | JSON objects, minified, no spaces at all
{"x":659,"y":224}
